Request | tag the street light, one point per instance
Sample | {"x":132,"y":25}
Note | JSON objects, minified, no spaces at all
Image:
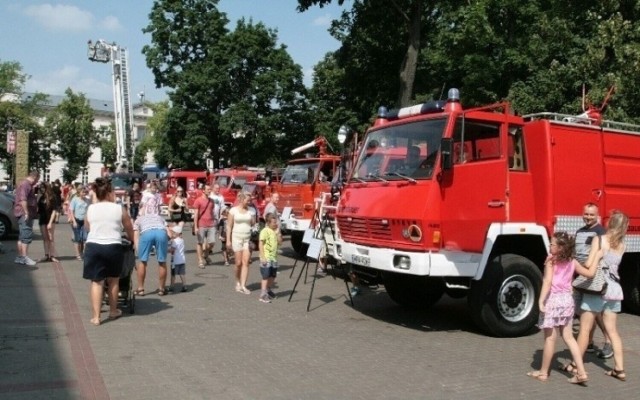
{"x":342,"y":134}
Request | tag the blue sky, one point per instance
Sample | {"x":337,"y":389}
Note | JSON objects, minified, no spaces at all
{"x":49,"y":39}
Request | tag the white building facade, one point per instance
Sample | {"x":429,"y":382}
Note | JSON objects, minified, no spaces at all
{"x":103,"y":112}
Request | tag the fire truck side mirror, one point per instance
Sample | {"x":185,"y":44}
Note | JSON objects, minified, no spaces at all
{"x":446,"y":148}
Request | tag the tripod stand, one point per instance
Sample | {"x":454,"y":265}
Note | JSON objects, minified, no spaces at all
{"x":318,"y":243}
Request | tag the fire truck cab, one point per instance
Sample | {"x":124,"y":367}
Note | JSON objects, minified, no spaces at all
{"x":231,"y":181}
{"x":303,"y":180}
{"x":469,"y":209}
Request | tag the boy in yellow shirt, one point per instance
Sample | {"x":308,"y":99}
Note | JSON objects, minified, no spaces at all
{"x":268,"y":245}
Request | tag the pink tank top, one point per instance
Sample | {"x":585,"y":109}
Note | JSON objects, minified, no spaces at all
{"x":562,"y":277}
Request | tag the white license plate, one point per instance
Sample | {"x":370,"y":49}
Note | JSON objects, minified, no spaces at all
{"x":360,"y":260}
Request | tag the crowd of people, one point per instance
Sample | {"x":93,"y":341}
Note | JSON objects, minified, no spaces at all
{"x":99,"y":222}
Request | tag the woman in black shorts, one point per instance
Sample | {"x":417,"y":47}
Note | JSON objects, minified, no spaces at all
{"x":103,"y":253}
{"x":178,"y":207}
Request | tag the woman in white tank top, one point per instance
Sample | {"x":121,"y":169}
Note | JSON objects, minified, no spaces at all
{"x":239,"y":225}
{"x":104,"y":254}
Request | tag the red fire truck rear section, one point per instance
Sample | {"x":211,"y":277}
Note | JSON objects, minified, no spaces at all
{"x":465,"y":201}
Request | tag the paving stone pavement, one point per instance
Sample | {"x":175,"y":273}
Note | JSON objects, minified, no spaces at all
{"x":214,"y":343}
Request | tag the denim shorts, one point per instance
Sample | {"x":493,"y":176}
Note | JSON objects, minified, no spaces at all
{"x":25,"y":227}
{"x":207,"y":235}
{"x":153,"y":238}
{"x":595,"y":303}
{"x":269,"y":269}
{"x":178,"y":269}
{"x":79,"y":233}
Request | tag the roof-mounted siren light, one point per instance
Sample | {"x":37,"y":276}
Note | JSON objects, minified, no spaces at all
{"x":453,"y":100}
{"x":383,"y":114}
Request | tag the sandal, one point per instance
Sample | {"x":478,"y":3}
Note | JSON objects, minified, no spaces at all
{"x":579,"y":379}
{"x":538,"y":375}
{"x":201,"y":265}
{"x":95,"y":322}
{"x":139,"y":292}
{"x":569,"y":367}
{"x":79,"y":258}
{"x":161,"y":292}
{"x":617,"y":373}
{"x":117,"y":315}
{"x":46,"y":258}
{"x":54,"y":259}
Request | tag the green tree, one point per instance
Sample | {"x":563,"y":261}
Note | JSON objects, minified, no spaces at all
{"x":71,"y":123}
{"x":106,"y":136}
{"x":236,"y":96}
{"x":20,"y":112}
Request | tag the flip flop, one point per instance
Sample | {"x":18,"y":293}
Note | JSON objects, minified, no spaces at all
{"x":95,"y":322}
{"x":117,"y":315}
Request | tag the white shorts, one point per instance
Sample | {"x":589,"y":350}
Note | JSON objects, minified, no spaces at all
{"x":240,"y":244}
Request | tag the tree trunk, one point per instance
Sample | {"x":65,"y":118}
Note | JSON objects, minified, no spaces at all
{"x":410,"y":61}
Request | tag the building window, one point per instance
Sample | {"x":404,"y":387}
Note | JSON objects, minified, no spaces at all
{"x":85,"y":175}
{"x":46,"y":176}
{"x":141,"y":132}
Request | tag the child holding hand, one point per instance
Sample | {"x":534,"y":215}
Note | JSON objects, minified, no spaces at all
{"x":557,"y":307}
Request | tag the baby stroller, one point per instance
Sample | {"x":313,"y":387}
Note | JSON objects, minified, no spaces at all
{"x":126,"y":295}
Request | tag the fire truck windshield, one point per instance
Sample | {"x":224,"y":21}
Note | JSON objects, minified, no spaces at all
{"x":125,"y":181}
{"x":300,"y":173}
{"x":406,"y":151}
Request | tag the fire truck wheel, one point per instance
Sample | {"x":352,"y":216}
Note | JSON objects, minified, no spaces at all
{"x":415,"y":292}
{"x":503,"y":303}
{"x":296,"y":242}
{"x":630,"y":281}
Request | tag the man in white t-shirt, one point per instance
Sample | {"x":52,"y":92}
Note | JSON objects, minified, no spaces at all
{"x":151,"y":200}
{"x":218,"y":201}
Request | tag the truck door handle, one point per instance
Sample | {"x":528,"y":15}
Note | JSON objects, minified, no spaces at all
{"x":496,"y":203}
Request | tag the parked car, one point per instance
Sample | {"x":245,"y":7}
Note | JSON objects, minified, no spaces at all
{"x":8,"y":223}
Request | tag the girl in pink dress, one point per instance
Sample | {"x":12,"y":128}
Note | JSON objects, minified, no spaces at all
{"x":557,"y":307}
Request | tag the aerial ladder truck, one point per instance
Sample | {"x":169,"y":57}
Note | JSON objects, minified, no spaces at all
{"x":104,"y":52}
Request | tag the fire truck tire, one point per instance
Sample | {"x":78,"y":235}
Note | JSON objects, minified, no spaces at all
{"x":504,"y":302}
{"x":414,"y":292}
{"x":630,"y":281}
{"x":296,"y":242}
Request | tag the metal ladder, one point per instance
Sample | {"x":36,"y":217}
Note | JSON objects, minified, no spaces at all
{"x":126,"y":103}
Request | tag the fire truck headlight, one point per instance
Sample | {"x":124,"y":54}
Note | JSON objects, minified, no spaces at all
{"x":402,"y":262}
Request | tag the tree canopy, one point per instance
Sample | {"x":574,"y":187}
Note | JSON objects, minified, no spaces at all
{"x":234,"y":94}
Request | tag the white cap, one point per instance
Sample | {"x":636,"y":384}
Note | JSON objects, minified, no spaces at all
{"x":177,"y":229}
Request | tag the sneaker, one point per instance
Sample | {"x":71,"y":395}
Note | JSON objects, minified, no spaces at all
{"x":271,"y":294}
{"x":606,"y":351}
{"x":19,"y":260}
{"x":354,"y":291}
{"x":226,"y":263}
{"x":591,"y":348}
{"x":265,"y":298}
{"x":27,"y":261}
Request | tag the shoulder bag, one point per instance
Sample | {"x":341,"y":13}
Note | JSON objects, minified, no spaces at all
{"x":597,"y":284}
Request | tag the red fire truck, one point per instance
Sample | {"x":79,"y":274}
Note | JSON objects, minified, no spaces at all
{"x":302,"y":182}
{"x":190,"y":181}
{"x":471,"y":209}
{"x":231,"y":180}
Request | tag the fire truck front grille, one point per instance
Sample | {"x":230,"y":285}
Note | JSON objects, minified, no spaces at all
{"x":368,"y":228}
